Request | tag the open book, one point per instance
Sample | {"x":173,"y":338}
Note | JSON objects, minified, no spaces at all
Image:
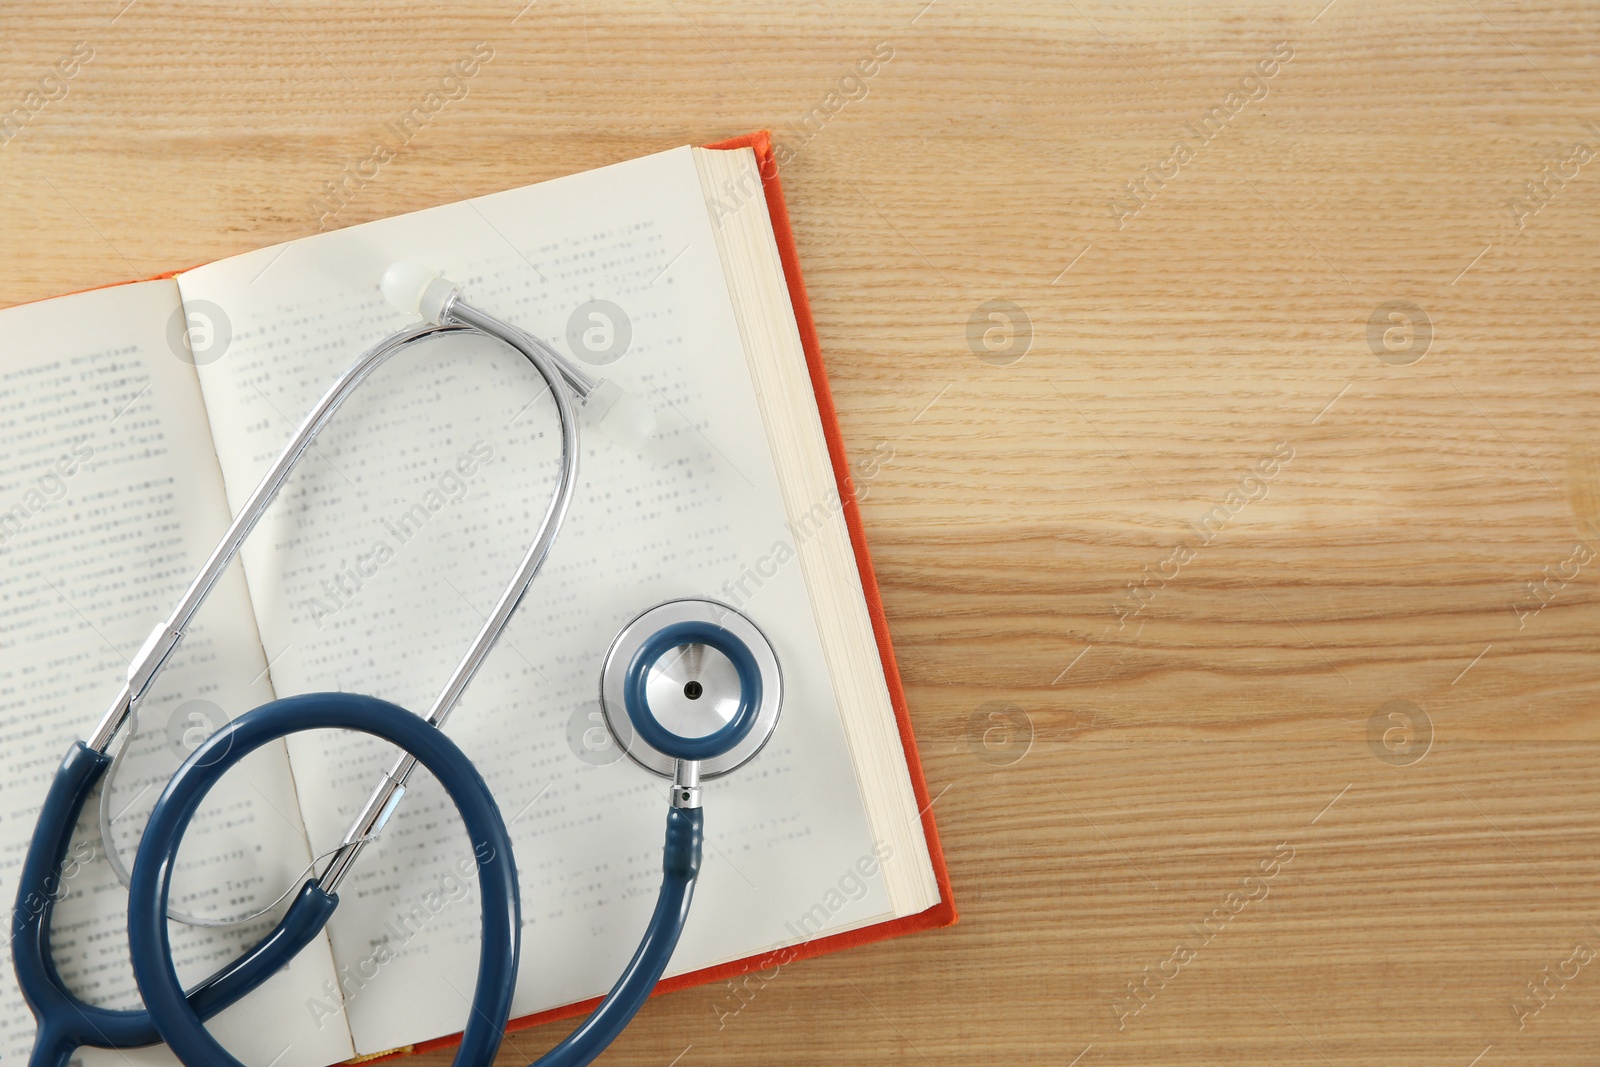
{"x":134,"y":419}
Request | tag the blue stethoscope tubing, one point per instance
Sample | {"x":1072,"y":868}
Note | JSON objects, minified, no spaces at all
{"x":179,"y":1019}
{"x":173,"y":1013}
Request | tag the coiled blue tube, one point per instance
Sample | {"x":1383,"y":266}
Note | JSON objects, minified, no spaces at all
{"x":176,"y":1018}
{"x":173,"y":1015}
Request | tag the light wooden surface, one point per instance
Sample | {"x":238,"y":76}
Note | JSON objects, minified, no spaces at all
{"x":1233,"y":718}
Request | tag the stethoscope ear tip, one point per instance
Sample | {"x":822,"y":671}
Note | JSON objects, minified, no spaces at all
{"x":417,"y":289}
{"x":620,"y":415}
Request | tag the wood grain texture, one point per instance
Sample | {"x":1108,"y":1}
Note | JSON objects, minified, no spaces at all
{"x":1143,"y":780}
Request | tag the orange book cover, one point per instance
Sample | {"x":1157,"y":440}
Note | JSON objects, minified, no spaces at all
{"x":941,"y":914}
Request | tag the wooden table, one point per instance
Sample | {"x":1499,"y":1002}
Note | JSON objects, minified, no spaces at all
{"x":1251,"y":610}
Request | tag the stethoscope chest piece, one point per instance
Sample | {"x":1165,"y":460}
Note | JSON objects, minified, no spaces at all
{"x":691,"y":680}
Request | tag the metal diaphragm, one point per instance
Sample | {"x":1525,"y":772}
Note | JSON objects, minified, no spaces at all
{"x":691,"y":690}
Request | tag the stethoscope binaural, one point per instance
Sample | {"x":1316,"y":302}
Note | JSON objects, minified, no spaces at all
{"x":691,"y":689}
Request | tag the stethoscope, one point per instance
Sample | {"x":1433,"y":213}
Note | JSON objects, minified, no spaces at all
{"x":691,"y":689}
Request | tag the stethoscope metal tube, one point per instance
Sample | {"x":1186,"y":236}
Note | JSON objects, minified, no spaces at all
{"x":457,"y":314}
{"x":459,"y":317}
{"x":164,"y":639}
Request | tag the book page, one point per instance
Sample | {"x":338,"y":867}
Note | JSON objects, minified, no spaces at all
{"x":110,"y":500}
{"x":391,"y":545}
